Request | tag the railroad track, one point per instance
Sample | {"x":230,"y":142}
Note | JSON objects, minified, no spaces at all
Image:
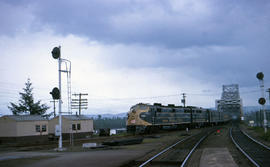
{"x":255,"y":151}
{"x":178,"y":153}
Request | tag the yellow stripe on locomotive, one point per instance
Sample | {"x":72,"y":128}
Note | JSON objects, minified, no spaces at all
{"x":134,"y":115}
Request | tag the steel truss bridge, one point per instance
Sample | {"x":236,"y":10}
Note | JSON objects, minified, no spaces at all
{"x":230,"y":101}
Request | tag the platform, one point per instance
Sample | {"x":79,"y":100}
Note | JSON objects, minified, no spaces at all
{"x":217,"y":157}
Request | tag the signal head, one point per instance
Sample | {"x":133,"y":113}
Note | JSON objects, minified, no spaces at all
{"x":260,"y":76}
{"x":262,"y":101}
{"x":55,"y":93}
{"x":56,"y":52}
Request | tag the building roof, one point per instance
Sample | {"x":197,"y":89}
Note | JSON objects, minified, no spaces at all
{"x":76,"y":117}
{"x":27,"y":117}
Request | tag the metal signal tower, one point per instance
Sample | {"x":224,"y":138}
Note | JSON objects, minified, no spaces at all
{"x":262,"y":100}
{"x":56,"y":93}
{"x":68,"y":72}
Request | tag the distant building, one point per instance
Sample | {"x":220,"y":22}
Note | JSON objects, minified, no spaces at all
{"x":21,"y":127}
{"x":258,"y":117}
{"x":77,"y":125}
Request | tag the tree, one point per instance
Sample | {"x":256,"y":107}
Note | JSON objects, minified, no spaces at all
{"x":26,"y":103}
{"x":99,"y":116}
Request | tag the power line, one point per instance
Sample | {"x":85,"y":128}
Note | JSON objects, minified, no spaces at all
{"x":248,"y":92}
{"x":79,"y":103}
{"x":150,"y":97}
{"x":102,"y":98}
{"x":165,"y":96}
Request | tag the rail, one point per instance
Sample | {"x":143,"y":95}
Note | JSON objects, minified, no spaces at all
{"x":255,"y":140}
{"x":256,"y":152}
{"x":189,"y":154}
{"x":201,"y":137}
{"x":242,"y":149}
{"x":163,"y":151}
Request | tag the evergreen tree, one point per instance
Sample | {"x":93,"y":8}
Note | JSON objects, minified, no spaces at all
{"x":26,"y":103}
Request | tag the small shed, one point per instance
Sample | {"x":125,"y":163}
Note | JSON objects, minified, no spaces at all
{"x":79,"y":126}
{"x":20,"y":127}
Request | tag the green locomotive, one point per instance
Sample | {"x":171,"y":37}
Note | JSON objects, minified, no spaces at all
{"x":145,"y":117}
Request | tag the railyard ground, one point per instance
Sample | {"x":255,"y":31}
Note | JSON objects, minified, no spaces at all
{"x":117,"y":155}
{"x":219,"y":141}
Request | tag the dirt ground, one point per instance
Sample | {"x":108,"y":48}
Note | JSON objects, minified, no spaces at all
{"x":119,"y":155}
{"x":219,"y":140}
{"x":104,"y":157}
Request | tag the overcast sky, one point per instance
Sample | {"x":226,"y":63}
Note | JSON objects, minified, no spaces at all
{"x":129,"y":51}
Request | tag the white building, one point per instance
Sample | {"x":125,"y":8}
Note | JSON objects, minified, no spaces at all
{"x":23,"y":127}
{"x":78,"y":125}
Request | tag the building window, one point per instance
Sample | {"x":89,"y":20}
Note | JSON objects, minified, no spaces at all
{"x":73,"y":126}
{"x":37,"y":128}
{"x":44,"y":128}
{"x":78,"y":126}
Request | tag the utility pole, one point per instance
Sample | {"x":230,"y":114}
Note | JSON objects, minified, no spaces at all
{"x":79,"y":103}
{"x":184,"y":99}
{"x":54,"y":113}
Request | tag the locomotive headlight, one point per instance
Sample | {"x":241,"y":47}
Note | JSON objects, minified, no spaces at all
{"x":142,"y":115}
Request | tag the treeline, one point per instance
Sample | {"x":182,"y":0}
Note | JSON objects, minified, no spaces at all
{"x":112,"y":123}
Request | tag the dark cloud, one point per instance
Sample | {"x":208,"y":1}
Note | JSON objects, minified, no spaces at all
{"x":171,"y":24}
{"x":225,"y":40}
{"x":15,"y":18}
{"x":157,"y":22}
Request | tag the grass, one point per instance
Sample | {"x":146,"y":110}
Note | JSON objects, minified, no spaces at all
{"x":260,"y":131}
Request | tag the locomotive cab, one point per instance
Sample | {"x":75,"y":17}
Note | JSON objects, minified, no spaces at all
{"x":138,"y":118}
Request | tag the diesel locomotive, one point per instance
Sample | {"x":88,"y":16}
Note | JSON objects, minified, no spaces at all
{"x":146,"y":117}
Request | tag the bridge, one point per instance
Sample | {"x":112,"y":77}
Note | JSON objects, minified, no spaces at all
{"x":230,"y":101}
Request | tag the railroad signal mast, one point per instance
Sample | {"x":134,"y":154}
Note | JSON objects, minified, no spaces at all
{"x":56,"y":92}
{"x":262,"y":100}
{"x":79,"y":103}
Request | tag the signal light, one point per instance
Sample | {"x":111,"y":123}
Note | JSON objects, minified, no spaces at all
{"x":260,"y":76}
{"x":262,"y":101}
{"x":55,"y":93}
{"x":56,"y":52}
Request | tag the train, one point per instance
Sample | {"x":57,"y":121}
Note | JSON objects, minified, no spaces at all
{"x":143,"y":118}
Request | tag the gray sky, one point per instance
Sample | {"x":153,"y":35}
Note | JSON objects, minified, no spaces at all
{"x":129,"y":51}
